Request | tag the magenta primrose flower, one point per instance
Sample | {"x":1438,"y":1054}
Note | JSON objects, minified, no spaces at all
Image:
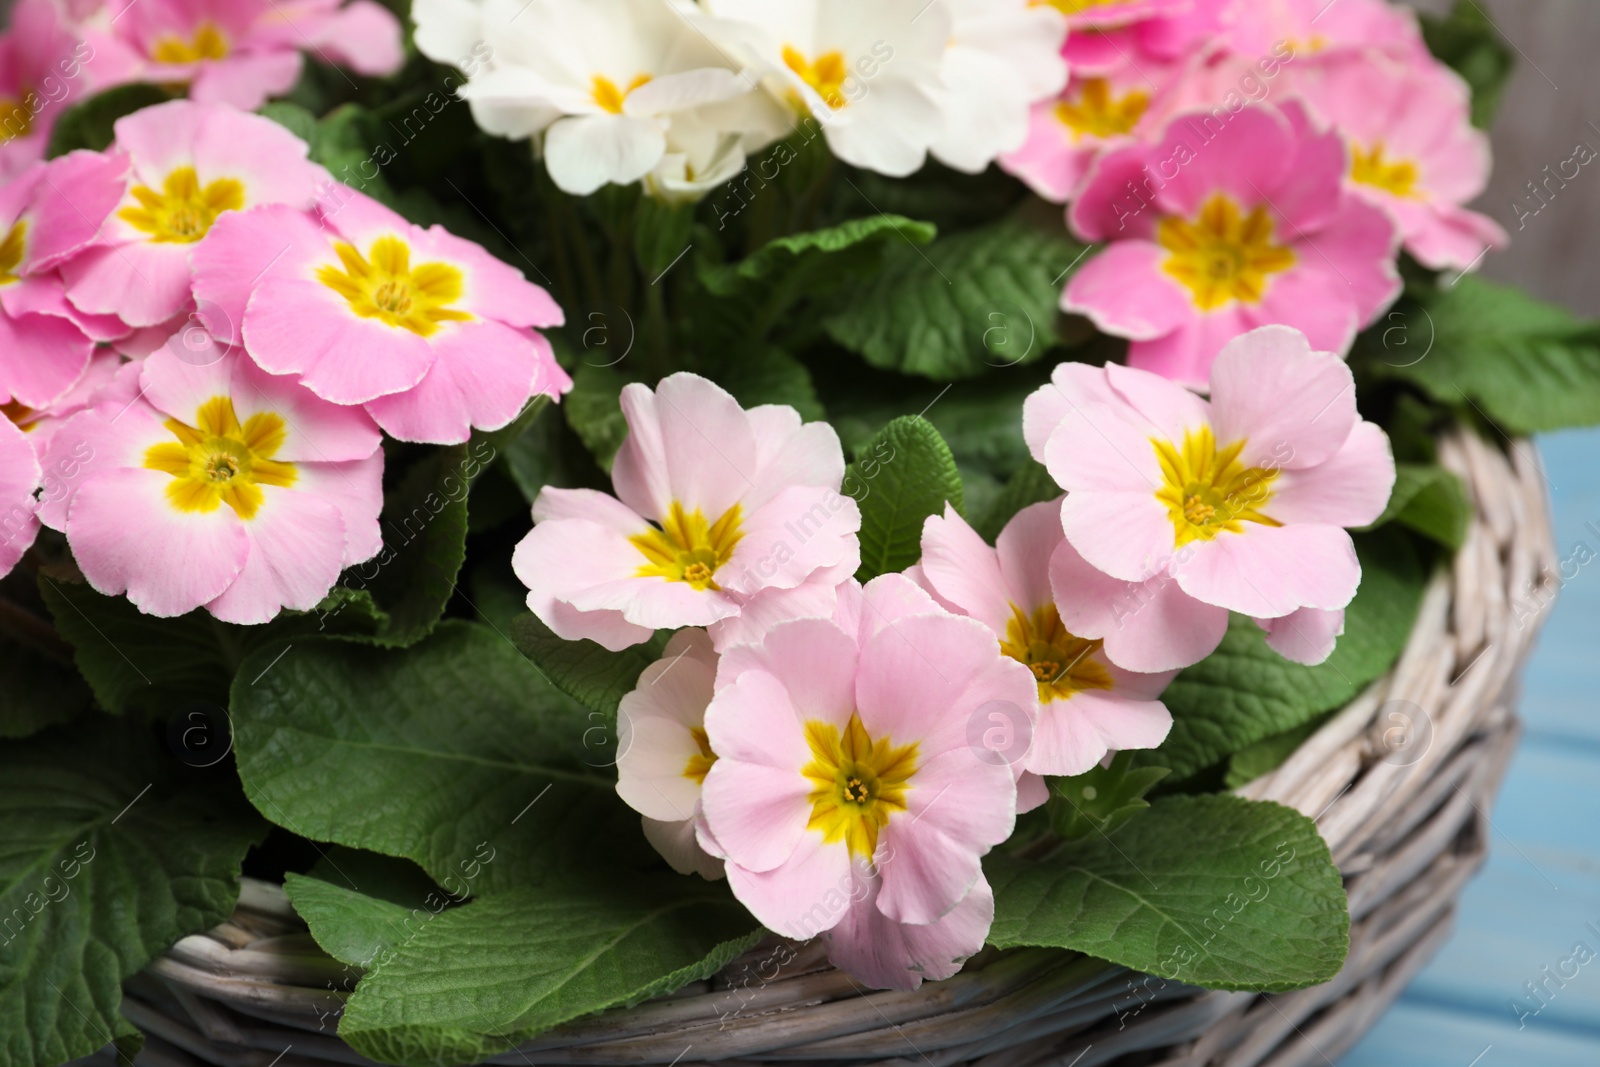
{"x":1197,"y":508}
{"x":1229,"y":223}
{"x":220,"y":487}
{"x":240,"y":52}
{"x":434,"y":335}
{"x":1413,"y":151}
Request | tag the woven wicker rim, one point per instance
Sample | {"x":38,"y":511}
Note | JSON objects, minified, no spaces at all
{"x":1407,"y":833}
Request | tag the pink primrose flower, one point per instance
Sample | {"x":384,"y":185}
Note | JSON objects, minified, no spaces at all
{"x":1229,"y":223}
{"x":1180,"y":509}
{"x":220,"y":487}
{"x":434,"y":335}
{"x":714,"y":505}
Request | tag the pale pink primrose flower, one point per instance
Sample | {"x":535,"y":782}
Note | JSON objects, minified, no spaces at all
{"x":714,"y":505}
{"x":847,"y":752}
{"x":47,"y":213}
{"x":19,"y":478}
{"x":189,"y":164}
{"x":240,"y":52}
{"x":1318,"y":28}
{"x":222,"y":487}
{"x":1413,"y":149}
{"x":1087,"y":706}
{"x":1240,"y":503}
{"x":433,"y":334}
{"x":1229,"y":223}
{"x":42,"y":73}
{"x":663,"y":753}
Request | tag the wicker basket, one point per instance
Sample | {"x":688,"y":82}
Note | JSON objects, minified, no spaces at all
{"x":1407,"y":828}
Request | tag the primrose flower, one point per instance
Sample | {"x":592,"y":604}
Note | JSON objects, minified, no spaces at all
{"x":19,"y":477}
{"x":601,"y":79}
{"x":1317,"y":28}
{"x":1096,"y":112}
{"x":1003,"y":56}
{"x":240,"y":52}
{"x":47,"y":213}
{"x":847,"y":753}
{"x":1087,"y":705}
{"x":189,"y":164}
{"x":221,"y":487}
{"x":1242,"y":501}
{"x":434,"y":335}
{"x":662,"y":751}
{"x":873,"y":948}
{"x":41,"y":73}
{"x":1413,"y":151}
{"x":717,"y":506}
{"x":1106,"y":14}
{"x":1223,"y":226}
{"x":871,"y":75}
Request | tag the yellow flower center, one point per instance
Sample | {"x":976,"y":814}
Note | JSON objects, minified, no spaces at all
{"x":687,"y":548}
{"x":857,"y":783}
{"x":1062,"y":662}
{"x":383,"y":285}
{"x":182,"y":212}
{"x":219,"y":461}
{"x":1395,"y":176}
{"x":609,"y":96}
{"x":699,"y":766}
{"x":1095,"y":111}
{"x":1224,"y":254}
{"x":1075,"y":7}
{"x":826,"y":74}
{"x":20,"y":414}
{"x":208,"y":42}
{"x":16,"y":120}
{"x":1206,"y":491}
{"x":12,"y":249}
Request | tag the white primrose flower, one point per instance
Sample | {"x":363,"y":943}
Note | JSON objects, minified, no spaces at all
{"x":601,"y":78}
{"x":868,"y":72}
{"x":1003,"y":57}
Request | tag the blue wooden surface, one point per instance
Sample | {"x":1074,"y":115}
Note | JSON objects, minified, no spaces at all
{"x":1522,"y":918}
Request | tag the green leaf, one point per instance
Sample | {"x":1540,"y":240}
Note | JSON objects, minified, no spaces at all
{"x":1528,"y":366}
{"x":89,"y":124}
{"x":770,"y":377}
{"x":1102,"y":798}
{"x":136,"y":661}
{"x":1467,"y":41}
{"x":549,"y":453}
{"x":1030,"y":485}
{"x":594,"y":411}
{"x":361,"y":926}
{"x":292,"y":117}
{"x":1263,"y":757}
{"x":1431,"y":500}
{"x":40,"y":691}
{"x":424,"y":523}
{"x":592,"y":675}
{"x":477,"y":981}
{"x":442,"y":753}
{"x":110,"y":851}
{"x":1244,"y":692}
{"x":1215,"y":891}
{"x":971,"y":302}
{"x":903,"y":475}
{"x":756,"y":293}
